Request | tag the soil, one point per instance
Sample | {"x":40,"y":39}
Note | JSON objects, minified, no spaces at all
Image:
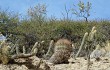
{"x":80,"y":63}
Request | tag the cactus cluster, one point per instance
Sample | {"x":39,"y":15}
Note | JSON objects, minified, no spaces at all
{"x":6,"y":52}
{"x":88,"y":41}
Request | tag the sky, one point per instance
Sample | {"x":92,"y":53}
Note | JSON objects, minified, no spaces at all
{"x":100,"y":8}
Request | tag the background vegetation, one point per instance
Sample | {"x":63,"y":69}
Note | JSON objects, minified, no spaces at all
{"x":37,"y":27}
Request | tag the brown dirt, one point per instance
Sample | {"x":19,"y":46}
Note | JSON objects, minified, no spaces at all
{"x":79,"y":64}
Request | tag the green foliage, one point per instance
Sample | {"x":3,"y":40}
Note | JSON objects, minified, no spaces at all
{"x":33,"y":29}
{"x":8,"y":22}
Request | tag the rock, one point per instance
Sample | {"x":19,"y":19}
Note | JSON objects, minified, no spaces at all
{"x":98,"y":53}
{"x":107,"y":54}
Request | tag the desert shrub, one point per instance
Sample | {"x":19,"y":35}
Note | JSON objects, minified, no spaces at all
{"x":29,"y":31}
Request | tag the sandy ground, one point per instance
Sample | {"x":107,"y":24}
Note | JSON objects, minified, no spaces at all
{"x":78,"y":64}
{"x":81,"y":64}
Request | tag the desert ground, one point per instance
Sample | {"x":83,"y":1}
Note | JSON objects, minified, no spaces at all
{"x":79,"y":64}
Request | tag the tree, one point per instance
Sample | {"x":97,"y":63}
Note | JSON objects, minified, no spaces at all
{"x":37,"y":13}
{"x":66,"y":14}
{"x":8,"y":21}
{"x":83,"y":10}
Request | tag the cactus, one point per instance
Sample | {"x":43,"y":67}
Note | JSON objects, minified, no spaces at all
{"x":24,"y":50}
{"x":62,"y":51}
{"x":22,"y":55}
{"x":89,"y":44}
{"x":85,"y":35}
{"x":6,"y":52}
{"x":88,"y":41}
{"x":50,"y":50}
{"x":91,"y":34}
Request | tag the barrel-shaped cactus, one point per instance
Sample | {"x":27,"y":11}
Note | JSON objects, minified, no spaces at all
{"x":62,"y":51}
